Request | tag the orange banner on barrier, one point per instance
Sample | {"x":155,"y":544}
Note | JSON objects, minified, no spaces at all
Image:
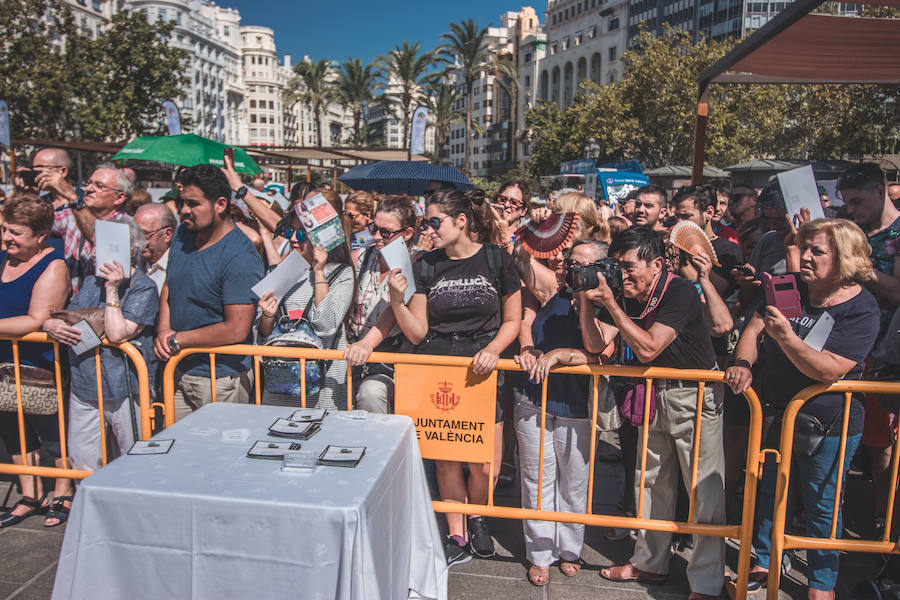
{"x":452,"y":408}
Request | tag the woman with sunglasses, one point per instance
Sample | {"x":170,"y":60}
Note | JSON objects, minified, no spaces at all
{"x":321,"y":298}
{"x":358,"y":207}
{"x":509,"y":206}
{"x":371,"y":326}
{"x":467,"y":303}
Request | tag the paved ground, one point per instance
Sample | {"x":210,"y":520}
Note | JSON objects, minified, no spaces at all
{"x":29,"y":553}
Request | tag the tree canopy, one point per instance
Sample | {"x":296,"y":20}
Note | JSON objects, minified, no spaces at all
{"x":59,"y":83}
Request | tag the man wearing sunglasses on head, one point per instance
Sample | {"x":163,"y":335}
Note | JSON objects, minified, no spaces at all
{"x":105,"y":194}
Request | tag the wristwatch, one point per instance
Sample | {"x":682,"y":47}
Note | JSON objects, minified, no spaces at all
{"x":174,"y":346}
{"x":241,"y":192}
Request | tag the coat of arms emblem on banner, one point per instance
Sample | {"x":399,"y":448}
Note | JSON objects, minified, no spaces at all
{"x":444,"y":398}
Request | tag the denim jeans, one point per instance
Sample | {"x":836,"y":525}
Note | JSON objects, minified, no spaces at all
{"x":816,"y":477}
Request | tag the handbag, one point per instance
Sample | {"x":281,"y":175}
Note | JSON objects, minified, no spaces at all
{"x":95,"y":317}
{"x":632,"y":406}
{"x":282,"y":375}
{"x":38,"y":390}
{"x":810,"y":433}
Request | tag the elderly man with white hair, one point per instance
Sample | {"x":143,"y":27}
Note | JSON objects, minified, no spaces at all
{"x":158,"y":224}
{"x":105,"y":195}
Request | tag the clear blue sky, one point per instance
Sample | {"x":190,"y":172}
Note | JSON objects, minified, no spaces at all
{"x":337,"y":29}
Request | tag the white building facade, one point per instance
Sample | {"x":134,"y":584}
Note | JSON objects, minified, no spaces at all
{"x":585,"y":41}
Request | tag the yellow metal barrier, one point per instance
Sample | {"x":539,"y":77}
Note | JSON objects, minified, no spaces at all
{"x":782,"y":541}
{"x":143,"y":401}
{"x":742,"y":532}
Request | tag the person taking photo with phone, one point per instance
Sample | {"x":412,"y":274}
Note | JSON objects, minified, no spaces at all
{"x":827,"y":343}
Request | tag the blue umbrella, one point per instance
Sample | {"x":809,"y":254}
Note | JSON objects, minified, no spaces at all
{"x":402,"y":177}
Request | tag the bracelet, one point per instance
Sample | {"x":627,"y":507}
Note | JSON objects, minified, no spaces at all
{"x":741,"y":362}
{"x":266,"y":315}
{"x":113,"y":304}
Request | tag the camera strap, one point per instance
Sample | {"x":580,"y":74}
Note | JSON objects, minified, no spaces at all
{"x":659,"y":288}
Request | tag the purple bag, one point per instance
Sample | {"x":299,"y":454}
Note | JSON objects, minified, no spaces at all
{"x":632,"y":407}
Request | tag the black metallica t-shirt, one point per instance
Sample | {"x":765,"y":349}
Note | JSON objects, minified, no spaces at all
{"x":462,"y":297}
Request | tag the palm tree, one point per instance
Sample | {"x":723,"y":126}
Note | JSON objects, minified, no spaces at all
{"x":354,"y":89}
{"x":441,"y":100}
{"x":467,"y":54}
{"x":311,"y":85}
{"x":404,"y":71}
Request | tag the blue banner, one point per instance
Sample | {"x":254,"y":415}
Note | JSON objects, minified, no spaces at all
{"x":4,"y":124}
{"x":417,"y":141}
{"x":173,"y":119}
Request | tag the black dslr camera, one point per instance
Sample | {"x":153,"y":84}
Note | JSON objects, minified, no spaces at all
{"x":588,"y":277}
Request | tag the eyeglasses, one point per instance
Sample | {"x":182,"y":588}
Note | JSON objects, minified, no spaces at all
{"x":434,"y":222}
{"x":352,"y":215}
{"x":150,"y":234}
{"x":572,"y":264}
{"x":383,"y":231}
{"x":506,"y":200}
{"x":101,"y":187}
{"x":299,"y":234}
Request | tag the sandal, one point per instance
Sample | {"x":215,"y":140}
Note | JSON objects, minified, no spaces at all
{"x":539,"y":576}
{"x":58,"y":510}
{"x":616,"y":573}
{"x":570,"y":568}
{"x":9,"y":519}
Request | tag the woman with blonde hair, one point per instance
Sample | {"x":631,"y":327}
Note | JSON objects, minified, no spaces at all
{"x":781,"y":357}
{"x":359,"y":208}
{"x":540,"y":279}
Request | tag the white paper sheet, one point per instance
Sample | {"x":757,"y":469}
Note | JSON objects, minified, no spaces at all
{"x":396,"y":255}
{"x":818,"y":335}
{"x":278,"y":198}
{"x":152,"y":447}
{"x":286,"y":274}
{"x":834,"y":197}
{"x":89,"y":339}
{"x":800,"y":191}
{"x":113,"y":244}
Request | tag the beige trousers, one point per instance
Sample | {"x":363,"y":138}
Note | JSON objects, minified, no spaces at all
{"x":670,"y":445}
{"x":193,"y":391}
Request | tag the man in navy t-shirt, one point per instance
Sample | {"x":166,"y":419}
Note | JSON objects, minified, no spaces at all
{"x":207,"y":300}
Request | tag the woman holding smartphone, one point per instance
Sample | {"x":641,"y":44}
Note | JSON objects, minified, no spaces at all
{"x":467,"y":303}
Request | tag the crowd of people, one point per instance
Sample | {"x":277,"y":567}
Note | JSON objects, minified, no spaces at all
{"x":608,"y":287}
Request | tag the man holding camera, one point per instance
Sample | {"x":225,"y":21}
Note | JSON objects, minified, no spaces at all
{"x":661,"y":319}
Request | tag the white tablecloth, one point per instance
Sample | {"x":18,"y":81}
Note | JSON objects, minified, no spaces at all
{"x":205,"y":521}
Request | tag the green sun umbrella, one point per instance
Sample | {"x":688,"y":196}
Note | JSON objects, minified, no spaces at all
{"x":186,"y":150}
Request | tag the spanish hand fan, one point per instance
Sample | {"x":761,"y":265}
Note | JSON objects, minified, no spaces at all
{"x":688,"y":236}
{"x":545,"y":239}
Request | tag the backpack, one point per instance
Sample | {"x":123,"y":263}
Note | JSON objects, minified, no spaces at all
{"x":282,"y":375}
{"x":494,"y":256}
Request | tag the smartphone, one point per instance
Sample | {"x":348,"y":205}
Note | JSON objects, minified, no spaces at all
{"x":781,"y":292}
{"x":229,"y":153}
{"x":28,"y":177}
{"x":745,"y":270}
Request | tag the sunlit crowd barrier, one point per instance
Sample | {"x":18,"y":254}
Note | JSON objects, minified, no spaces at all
{"x":428,"y":379}
{"x":143,"y":402}
{"x":782,"y":541}
{"x":445,"y":381}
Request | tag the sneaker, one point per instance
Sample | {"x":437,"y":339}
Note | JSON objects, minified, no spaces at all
{"x":480,"y":542}
{"x":456,"y":554}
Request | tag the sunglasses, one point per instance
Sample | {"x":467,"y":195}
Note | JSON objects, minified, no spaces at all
{"x":434,"y":222}
{"x":299,"y":234}
{"x":506,"y":200}
{"x":383,"y":231}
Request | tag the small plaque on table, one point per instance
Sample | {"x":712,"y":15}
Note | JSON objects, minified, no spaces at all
{"x":151,"y":447}
{"x":342,"y":456}
{"x":294,"y":429}
{"x":273,"y":450}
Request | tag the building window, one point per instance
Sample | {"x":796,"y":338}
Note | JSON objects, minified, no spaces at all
{"x":98,"y":5}
{"x":527,"y":81}
{"x":613,"y":24}
{"x":612,"y":53}
{"x":225,"y":30}
{"x":162,"y":15}
{"x":253,"y":118}
{"x":528,"y":57}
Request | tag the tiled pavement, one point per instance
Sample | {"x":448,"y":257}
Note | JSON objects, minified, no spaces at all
{"x":29,"y":553}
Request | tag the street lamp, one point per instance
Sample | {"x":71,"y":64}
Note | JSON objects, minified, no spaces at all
{"x":592,"y":150}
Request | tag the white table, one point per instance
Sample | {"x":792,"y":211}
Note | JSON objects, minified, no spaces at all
{"x":205,"y":521}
